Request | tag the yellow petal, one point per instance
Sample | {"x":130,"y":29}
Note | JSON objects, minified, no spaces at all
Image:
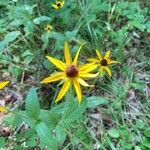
{"x":54,"y":6}
{"x":67,"y":54}
{"x":93,"y":60}
{"x":54,"y":77}
{"x":99,"y":55}
{"x":82,"y":82}
{"x":62,"y":3}
{"x":108,"y":71}
{"x":87,"y":67}
{"x":113,"y":62}
{"x":3,"y":84}
{"x":59,"y":64}
{"x":48,"y":27}
{"x":63,"y":90}
{"x":78,"y":90}
{"x":107,"y":55}
{"x":3,"y":109}
{"x":77,"y":55}
{"x":88,"y":75}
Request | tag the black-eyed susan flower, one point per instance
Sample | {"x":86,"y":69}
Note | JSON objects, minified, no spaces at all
{"x":70,"y":73}
{"x":3,"y":109}
{"x":3,"y":84}
{"x":103,"y":62}
{"x":58,"y":4}
{"x":48,"y":28}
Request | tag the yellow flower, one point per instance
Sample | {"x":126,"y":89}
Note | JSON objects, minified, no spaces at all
{"x":3,"y":84}
{"x":3,"y":109}
{"x":103,"y":62}
{"x":48,"y":28}
{"x":58,"y":4}
{"x":70,"y":73}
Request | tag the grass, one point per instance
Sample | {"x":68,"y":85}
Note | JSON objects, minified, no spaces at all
{"x":114,"y":115}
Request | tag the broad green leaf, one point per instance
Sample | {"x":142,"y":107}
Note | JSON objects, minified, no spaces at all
{"x":40,"y":19}
{"x":32,"y":103}
{"x":60,"y":39}
{"x":146,"y":143}
{"x":17,"y":147}
{"x":27,"y":119}
{"x":113,"y":133}
{"x":95,"y":101}
{"x":140,"y":124}
{"x":60,"y":135}
{"x":2,"y":46}
{"x":11,"y":36}
{"x":29,"y":28}
{"x":2,"y":142}
{"x":147,"y":132}
{"x":75,"y":111}
{"x":137,"y":148}
{"x":32,"y":142}
{"x":46,"y":136}
{"x":16,"y":71}
{"x":147,"y":24}
{"x":50,"y":118}
{"x":70,"y":34}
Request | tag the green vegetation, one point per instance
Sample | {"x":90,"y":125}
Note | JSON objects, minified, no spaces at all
{"x":112,"y":115}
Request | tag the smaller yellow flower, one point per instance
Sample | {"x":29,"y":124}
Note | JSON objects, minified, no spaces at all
{"x":3,"y":84}
{"x":48,"y":28}
{"x":3,"y":109}
{"x":58,"y":4}
{"x":103,"y":62}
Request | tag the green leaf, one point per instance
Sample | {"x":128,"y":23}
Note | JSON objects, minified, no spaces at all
{"x":60,"y":135}
{"x":17,"y":147}
{"x":60,"y":39}
{"x":147,"y":132}
{"x":40,"y":19}
{"x":46,"y":136}
{"x":32,"y":103}
{"x":32,"y":142}
{"x":2,"y":46}
{"x":2,"y":142}
{"x":137,"y":148}
{"x":70,"y":34}
{"x":146,"y":143}
{"x":95,"y":101}
{"x":11,"y":36}
{"x":16,"y":71}
{"x":28,"y":120}
{"x":113,"y":133}
{"x":140,"y":124}
{"x":75,"y":110}
{"x":125,"y":145}
{"x":50,"y":118}
{"x":29,"y":27}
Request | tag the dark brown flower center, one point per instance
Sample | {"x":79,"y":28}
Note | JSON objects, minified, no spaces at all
{"x":49,"y":29}
{"x":104,"y":62}
{"x":58,"y":4}
{"x":71,"y":71}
